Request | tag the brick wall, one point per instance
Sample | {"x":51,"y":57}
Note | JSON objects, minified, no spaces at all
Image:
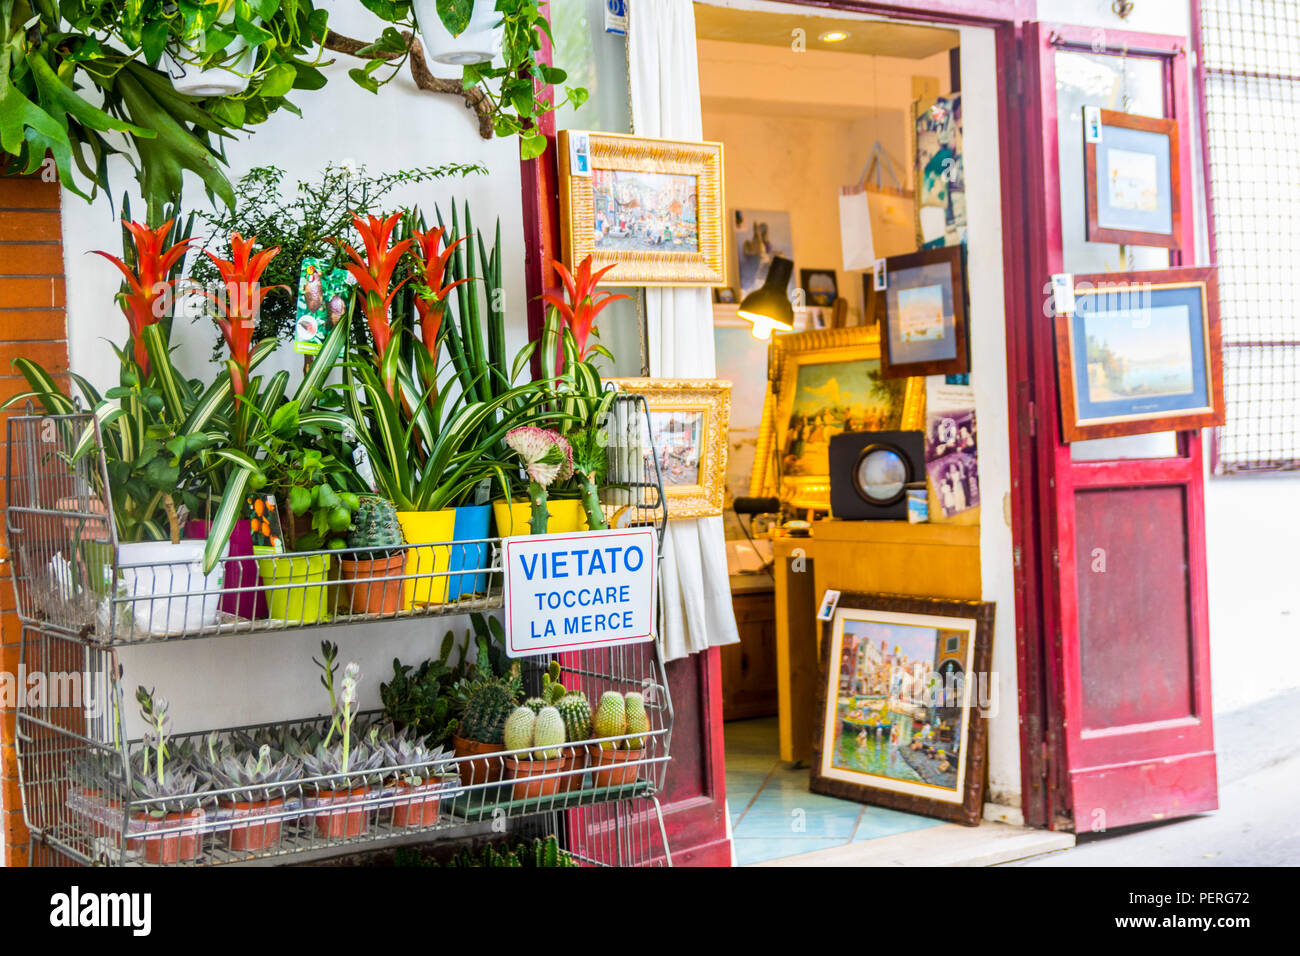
{"x":33,"y":323}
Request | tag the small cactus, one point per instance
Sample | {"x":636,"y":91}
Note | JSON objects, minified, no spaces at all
{"x":375,"y":526}
{"x":488,"y":703}
{"x":576,"y":711}
{"x":610,"y":719}
{"x":548,"y":732}
{"x":535,"y":704}
{"x":638,"y":721}
{"x":518,"y":734}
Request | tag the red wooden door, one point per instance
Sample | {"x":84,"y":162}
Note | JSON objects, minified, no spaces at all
{"x":1121,"y":520}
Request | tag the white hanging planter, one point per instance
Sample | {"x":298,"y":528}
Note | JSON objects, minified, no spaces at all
{"x":190,"y":79}
{"x":480,"y":42}
{"x":167,"y":591}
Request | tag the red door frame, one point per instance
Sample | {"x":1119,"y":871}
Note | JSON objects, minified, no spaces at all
{"x":696,"y":815}
{"x":1092,"y":769}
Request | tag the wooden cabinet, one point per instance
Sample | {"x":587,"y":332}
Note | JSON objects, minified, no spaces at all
{"x":749,"y":684}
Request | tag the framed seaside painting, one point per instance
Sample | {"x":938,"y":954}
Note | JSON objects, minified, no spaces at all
{"x":904,"y":683}
{"x":653,"y":207}
{"x":1131,"y":180}
{"x":688,"y":431}
{"x":820,"y":384}
{"x":1141,"y":353}
{"x":922,"y":313}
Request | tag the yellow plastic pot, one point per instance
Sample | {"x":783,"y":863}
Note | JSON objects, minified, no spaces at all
{"x":306,"y":599}
{"x":419,"y":527}
{"x":514,"y":518}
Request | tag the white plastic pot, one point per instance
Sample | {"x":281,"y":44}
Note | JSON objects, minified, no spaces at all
{"x":480,"y":42}
{"x":188,"y":79}
{"x":167,"y":592}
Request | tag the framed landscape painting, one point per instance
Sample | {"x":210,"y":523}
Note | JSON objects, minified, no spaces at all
{"x":688,"y":440}
{"x":905,"y":681}
{"x":651,"y":207}
{"x":823,"y":383}
{"x":922,"y":313}
{"x":1131,"y":179}
{"x":1140,"y":353}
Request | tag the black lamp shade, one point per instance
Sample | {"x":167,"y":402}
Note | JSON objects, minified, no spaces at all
{"x":771,"y":301}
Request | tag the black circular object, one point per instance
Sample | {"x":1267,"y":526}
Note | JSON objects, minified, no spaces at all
{"x":880,"y":474}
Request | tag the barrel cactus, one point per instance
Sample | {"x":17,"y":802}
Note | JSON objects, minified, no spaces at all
{"x":518,"y":734}
{"x":548,"y":733}
{"x":638,"y":721}
{"x":576,"y":711}
{"x":610,"y":719}
{"x":375,"y":527}
{"x":488,"y":704}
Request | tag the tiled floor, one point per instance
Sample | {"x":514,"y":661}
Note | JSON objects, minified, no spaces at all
{"x":774,"y":815}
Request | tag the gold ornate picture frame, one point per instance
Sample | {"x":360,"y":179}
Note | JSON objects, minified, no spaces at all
{"x":822,"y":383}
{"x":652,"y":207}
{"x":688,"y":427}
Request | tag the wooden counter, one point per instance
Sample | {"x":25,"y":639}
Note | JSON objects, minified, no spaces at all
{"x":934,"y":560}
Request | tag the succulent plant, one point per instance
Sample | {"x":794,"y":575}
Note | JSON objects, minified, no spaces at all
{"x":638,"y":721}
{"x":518,"y":733}
{"x":488,"y":702}
{"x":532,"y":854}
{"x":610,"y":719}
{"x":375,"y":527}
{"x":576,"y":711}
{"x":548,"y":733}
{"x":176,"y":790}
{"x":250,"y":775}
{"x":345,"y":764}
{"x":415,"y":761}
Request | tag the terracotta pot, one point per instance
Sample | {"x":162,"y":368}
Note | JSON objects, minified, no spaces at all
{"x":101,"y":816}
{"x":168,"y":847}
{"x":614,"y":768}
{"x":417,"y":806}
{"x":524,"y":770}
{"x":575,"y":762}
{"x":350,"y":821}
{"x":484,"y":770}
{"x":374,"y":585}
{"x":253,"y":831}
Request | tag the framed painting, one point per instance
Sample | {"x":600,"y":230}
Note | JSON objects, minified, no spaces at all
{"x":820,"y":287}
{"x":1140,"y":353}
{"x":688,"y":431}
{"x":651,"y":207}
{"x":760,"y":236}
{"x":1131,"y":182}
{"x":820,"y":384}
{"x":901,"y":701}
{"x":922,"y":313}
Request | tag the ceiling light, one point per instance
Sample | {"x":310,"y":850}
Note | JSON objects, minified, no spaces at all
{"x":834,"y":36}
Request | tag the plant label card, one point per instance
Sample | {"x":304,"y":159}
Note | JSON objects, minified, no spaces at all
{"x":263,"y":517}
{"x":324,"y":297}
{"x":579,"y":591}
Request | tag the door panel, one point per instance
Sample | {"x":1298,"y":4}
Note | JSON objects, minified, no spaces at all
{"x":1122,"y":523}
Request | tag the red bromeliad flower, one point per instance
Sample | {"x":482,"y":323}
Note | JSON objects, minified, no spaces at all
{"x":374,"y":274}
{"x":432,"y":305}
{"x":149,"y":289}
{"x":242,"y":301}
{"x":580,"y":312}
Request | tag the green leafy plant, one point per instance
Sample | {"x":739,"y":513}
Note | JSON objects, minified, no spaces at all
{"x":169,"y":785}
{"x":422,"y":699}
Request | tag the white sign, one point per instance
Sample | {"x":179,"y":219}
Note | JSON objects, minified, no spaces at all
{"x":1063,"y":293}
{"x":573,"y":592}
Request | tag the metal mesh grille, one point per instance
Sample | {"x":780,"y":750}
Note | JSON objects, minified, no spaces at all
{"x":1251,"y":51}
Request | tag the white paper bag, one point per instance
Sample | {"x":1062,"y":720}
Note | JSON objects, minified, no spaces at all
{"x":855,"y":229}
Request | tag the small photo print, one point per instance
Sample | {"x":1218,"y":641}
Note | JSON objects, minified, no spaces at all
{"x":952,"y":463}
{"x":920,"y":314}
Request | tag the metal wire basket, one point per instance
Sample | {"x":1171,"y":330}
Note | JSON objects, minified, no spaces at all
{"x":80,"y":598}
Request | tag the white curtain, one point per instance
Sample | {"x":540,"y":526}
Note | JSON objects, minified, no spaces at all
{"x":664,"y":81}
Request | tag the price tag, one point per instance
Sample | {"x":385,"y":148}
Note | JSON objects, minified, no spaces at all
{"x":829,"y":600}
{"x":1092,"y":124}
{"x":1063,"y":293}
{"x":881,"y":280}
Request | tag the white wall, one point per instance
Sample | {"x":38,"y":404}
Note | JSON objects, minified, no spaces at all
{"x":270,"y":677}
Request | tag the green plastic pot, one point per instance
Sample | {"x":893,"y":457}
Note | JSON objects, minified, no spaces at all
{"x":306,"y":598}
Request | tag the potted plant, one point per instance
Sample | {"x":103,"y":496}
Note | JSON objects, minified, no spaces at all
{"x":251,"y":789}
{"x":536,"y":759}
{"x":459,"y":33}
{"x":547,"y":458}
{"x":575,"y":709}
{"x":422,"y":775}
{"x":488,"y":702}
{"x":165,"y":794}
{"x":192,"y":70}
{"x":342,"y":769}
{"x":617,"y":755}
{"x":422,"y":700}
{"x":373,"y":568}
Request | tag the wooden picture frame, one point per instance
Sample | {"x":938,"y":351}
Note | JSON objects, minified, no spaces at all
{"x":693,"y":470}
{"x":921,"y":741}
{"x":922,"y":313}
{"x":1106,"y":388}
{"x":1141,"y":201}
{"x":687,"y":253}
{"x":781,"y":469}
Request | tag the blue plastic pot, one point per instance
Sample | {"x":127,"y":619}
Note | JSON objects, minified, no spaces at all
{"x":472,"y":524}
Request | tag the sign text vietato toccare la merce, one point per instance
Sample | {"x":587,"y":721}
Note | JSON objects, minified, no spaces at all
{"x":579,"y":591}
